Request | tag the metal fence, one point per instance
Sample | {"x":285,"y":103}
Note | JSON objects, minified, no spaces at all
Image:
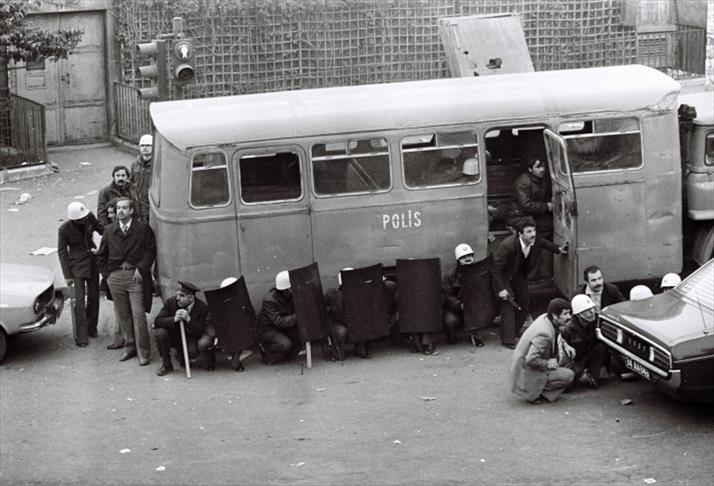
{"x":132,"y":113}
{"x":681,"y":53}
{"x":22,"y":132}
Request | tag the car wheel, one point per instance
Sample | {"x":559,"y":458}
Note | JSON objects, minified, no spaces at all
{"x":3,"y":344}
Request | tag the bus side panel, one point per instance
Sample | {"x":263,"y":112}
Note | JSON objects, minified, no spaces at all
{"x":364,"y":235}
{"x":203,"y":252}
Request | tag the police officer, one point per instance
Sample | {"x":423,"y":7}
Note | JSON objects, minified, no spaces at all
{"x":338,"y":322}
{"x":277,"y":323}
{"x":140,"y":175}
{"x":183,"y":307}
{"x":590,"y":354}
{"x":639,"y":292}
{"x":75,"y":248}
{"x":452,"y":289}
{"x":670,"y":281}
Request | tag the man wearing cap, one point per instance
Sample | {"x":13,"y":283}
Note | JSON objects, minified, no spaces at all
{"x":75,"y":248}
{"x":140,"y":176}
{"x":193,"y":312}
{"x":119,"y":187}
{"x":536,"y":368}
{"x":126,"y":254}
{"x":277,"y":323}
{"x":452,"y":289}
{"x":590,"y":354}
{"x":514,"y":258}
{"x":595,"y":287}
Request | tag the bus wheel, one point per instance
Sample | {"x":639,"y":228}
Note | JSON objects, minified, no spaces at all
{"x":703,"y":248}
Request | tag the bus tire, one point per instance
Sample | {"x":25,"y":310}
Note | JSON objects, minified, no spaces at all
{"x":703,"y":248}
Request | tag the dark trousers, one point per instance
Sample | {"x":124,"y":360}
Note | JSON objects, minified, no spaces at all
{"x":511,"y":319}
{"x":86,"y":307}
{"x":592,"y":361}
{"x":165,"y":340}
{"x":284,"y":343}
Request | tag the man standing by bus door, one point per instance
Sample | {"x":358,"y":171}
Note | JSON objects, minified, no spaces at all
{"x":126,"y":254}
{"x":514,"y":258}
{"x":140,"y":176}
{"x":75,"y":248}
{"x":532,"y":194}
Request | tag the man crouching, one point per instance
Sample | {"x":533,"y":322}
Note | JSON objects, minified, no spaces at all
{"x":535,"y":370}
{"x":184,"y":306}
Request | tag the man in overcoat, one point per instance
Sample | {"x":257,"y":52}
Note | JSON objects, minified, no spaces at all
{"x":126,"y":254}
{"x":75,"y":248}
{"x":602,"y":293}
{"x":512,"y":261}
{"x":140,"y":176}
{"x":535,"y":370}
{"x":119,"y":187}
{"x":193,"y":312}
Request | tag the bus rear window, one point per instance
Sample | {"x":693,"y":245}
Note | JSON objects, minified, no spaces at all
{"x":354,"y":166}
{"x":603,"y":144}
{"x":270,"y":177}
{"x":209,"y":180}
{"x":440,"y":159}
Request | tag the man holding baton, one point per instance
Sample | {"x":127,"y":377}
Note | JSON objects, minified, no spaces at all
{"x":181,"y":324}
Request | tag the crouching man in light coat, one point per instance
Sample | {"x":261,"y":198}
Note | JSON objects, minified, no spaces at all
{"x":535,"y":370}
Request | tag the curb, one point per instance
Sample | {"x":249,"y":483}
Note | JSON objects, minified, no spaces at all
{"x":20,"y":173}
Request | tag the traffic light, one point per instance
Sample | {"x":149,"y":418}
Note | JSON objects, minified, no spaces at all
{"x":183,"y":51}
{"x":157,"y":70}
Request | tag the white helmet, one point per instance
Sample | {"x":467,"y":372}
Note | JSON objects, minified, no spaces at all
{"x":639,"y":292}
{"x":227,"y":281}
{"x":339,"y":274}
{"x":581,"y":303}
{"x":146,"y":140}
{"x":470,"y":167}
{"x":76,"y":210}
{"x":462,"y":249}
{"x":282,"y":280}
{"x":670,"y":280}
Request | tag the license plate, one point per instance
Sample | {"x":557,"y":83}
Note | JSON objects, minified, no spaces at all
{"x":637,"y":368}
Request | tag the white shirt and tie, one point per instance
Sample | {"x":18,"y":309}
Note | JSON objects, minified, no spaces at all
{"x":526,"y":249}
{"x":125,"y":227}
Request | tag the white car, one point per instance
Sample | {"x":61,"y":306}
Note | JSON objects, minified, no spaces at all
{"x":29,"y":300}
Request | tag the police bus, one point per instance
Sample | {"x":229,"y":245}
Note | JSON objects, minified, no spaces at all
{"x":352,"y":176}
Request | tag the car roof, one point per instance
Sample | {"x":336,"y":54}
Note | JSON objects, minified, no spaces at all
{"x":353,"y":109}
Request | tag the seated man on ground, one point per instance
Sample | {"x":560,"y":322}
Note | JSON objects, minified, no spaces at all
{"x":590,"y":353}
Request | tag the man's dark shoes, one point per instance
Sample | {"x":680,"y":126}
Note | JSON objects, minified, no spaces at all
{"x":81,"y":345}
{"x":476,"y":342}
{"x":115,"y":346}
{"x":165,"y":370}
{"x":428,"y":349}
{"x":127,"y":355}
{"x":510,"y":345}
{"x":592,"y":382}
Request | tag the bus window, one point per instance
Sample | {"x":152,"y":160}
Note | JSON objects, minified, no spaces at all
{"x":351,"y":167}
{"x":709,"y":149}
{"x":603,"y":144}
{"x":209,"y":180}
{"x":270,"y":177}
{"x":438,"y":159}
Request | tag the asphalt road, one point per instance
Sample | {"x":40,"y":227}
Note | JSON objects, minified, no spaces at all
{"x":78,"y":416}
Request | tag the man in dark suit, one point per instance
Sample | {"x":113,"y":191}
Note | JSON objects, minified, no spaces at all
{"x":515,"y":257}
{"x":75,"y":248}
{"x":183,"y":307}
{"x":126,"y":254}
{"x":601,"y":292}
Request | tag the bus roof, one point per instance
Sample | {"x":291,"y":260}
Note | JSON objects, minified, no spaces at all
{"x":288,"y":114}
{"x":704,"y":103}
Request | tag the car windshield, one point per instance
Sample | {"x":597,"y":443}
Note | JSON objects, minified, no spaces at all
{"x":699,"y":287}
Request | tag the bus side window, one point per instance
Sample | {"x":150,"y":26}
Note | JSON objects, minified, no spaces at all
{"x":352,"y":166}
{"x":439,"y":159}
{"x":603,"y":144}
{"x":270,"y":177}
{"x":209,"y":180}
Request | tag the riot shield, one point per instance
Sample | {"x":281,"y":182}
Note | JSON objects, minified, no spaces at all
{"x":365,"y":300}
{"x":419,"y":295}
{"x":233,"y":316}
{"x":478,"y":298}
{"x":309,"y":302}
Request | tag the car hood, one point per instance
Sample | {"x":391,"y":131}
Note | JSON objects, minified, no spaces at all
{"x":678,"y":325}
{"x":18,"y":282}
